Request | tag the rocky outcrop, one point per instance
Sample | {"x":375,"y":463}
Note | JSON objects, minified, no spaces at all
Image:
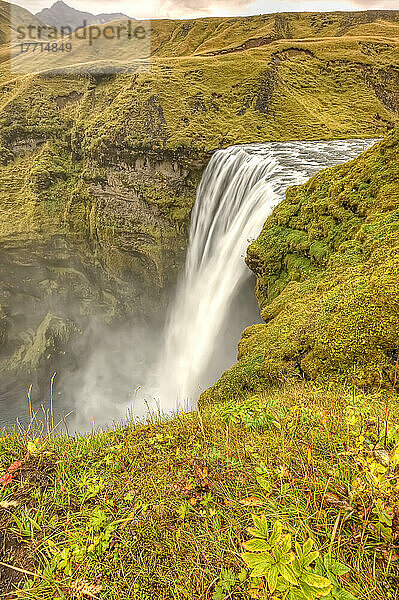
{"x":95,"y":246}
{"x":137,"y":219}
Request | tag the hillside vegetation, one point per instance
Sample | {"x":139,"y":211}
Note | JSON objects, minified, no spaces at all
{"x":284,"y":485}
{"x":286,"y":76}
{"x":162,"y":509}
{"x":327,"y":274}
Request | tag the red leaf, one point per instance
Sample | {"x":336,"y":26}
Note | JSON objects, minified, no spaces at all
{"x":6,"y":479}
{"x":17,"y":464}
{"x":227,"y":502}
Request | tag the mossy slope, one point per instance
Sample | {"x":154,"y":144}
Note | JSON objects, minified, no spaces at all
{"x":327,"y":274}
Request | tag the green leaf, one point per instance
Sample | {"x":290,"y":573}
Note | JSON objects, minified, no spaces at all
{"x":296,"y":594}
{"x":310,"y":558}
{"x":298,"y":550}
{"x":332,"y":578}
{"x":343,"y":595}
{"x":340,"y":569}
{"x":287,"y":573}
{"x":257,"y":545}
{"x":319,"y":566}
{"x":260,"y":528}
{"x":296,"y":567}
{"x":242,"y":575}
{"x":308,"y":545}
{"x":218,"y":594}
{"x":282,"y":585}
{"x":315,"y":580}
{"x":272,"y":578}
{"x":264,"y":483}
{"x":395,"y":456}
{"x":285,"y":543}
{"x":227,"y":579}
{"x":259,"y":563}
{"x":276,"y":553}
{"x":287,"y":559}
{"x":307,"y":591}
{"x":335,"y":566}
{"x":276,"y":533}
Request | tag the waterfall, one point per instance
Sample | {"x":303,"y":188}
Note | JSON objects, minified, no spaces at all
{"x":238,"y":191}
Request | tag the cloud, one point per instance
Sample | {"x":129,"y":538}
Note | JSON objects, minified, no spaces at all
{"x":372,"y":4}
{"x":204,"y":6}
{"x":155,"y":9}
{"x":168,"y":8}
{"x":180,"y":9}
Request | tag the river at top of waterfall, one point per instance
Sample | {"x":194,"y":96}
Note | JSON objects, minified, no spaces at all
{"x":238,"y":191}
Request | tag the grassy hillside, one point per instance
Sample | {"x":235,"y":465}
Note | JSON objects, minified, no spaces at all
{"x":306,"y":76}
{"x":285,"y":76}
{"x":327,"y":279}
{"x":311,"y":76}
{"x":162,"y":510}
{"x":219,"y":35}
{"x":11,"y":17}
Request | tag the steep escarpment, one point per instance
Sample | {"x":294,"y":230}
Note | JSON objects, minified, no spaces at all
{"x":98,"y":172}
{"x":327,"y":274}
{"x":82,"y":236}
{"x":79,"y":245}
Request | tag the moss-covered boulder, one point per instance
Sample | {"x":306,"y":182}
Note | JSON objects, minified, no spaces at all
{"x":327,"y":268}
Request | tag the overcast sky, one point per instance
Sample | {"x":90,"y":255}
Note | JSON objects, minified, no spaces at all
{"x":180,"y":9}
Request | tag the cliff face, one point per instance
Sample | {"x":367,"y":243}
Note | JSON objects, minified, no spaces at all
{"x":82,"y":235}
{"x":327,"y":274}
{"x":98,"y":173}
{"x":80,"y":242}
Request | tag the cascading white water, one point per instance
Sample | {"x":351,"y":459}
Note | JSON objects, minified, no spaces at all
{"x":238,"y":191}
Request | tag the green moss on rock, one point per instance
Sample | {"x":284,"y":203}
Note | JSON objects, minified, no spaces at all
{"x":327,"y":271}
